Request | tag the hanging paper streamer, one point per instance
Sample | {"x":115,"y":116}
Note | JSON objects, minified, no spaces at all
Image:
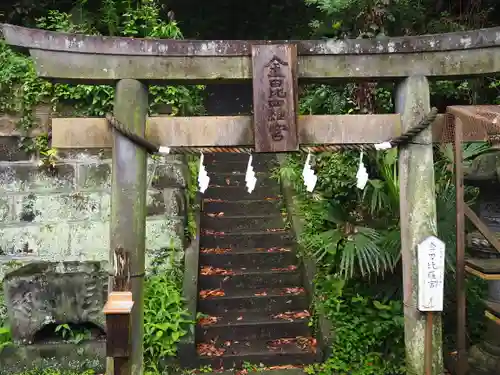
{"x":383,"y":146}
{"x":310,"y":178}
{"x":203,"y":178}
{"x":250,"y":178}
{"x":362,"y":175}
{"x":164,"y":150}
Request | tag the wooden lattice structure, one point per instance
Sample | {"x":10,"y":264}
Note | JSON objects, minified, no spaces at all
{"x":133,"y":63}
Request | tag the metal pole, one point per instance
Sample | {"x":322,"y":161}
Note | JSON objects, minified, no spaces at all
{"x":428,"y":344}
{"x":460,"y":240}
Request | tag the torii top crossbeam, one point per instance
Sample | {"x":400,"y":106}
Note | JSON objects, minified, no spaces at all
{"x":97,"y":59}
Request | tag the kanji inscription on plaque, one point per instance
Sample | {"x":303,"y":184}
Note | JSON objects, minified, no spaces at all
{"x":275,"y":97}
{"x":431,"y":263}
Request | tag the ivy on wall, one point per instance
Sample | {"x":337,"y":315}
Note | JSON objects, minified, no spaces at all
{"x":22,"y":92}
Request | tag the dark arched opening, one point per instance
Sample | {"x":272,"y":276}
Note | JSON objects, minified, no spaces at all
{"x":69,"y":332}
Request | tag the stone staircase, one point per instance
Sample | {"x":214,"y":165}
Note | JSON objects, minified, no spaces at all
{"x":252,"y":306}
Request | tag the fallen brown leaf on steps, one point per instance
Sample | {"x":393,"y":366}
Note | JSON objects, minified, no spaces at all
{"x":212,"y":232}
{"x":306,"y":343}
{"x":293,"y":291}
{"x":219,"y":214}
{"x":208,"y":320}
{"x":207,"y":293}
{"x":278,"y":249}
{"x":209,"y":270}
{"x":209,"y":350}
{"x":285,"y":269}
{"x":275,"y":230}
{"x":290,"y":315}
{"x":216,"y":250}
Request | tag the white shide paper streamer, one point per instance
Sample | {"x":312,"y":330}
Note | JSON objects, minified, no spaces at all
{"x":203,"y":178}
{"x":308,"y":175}
{"x":250,"y":178}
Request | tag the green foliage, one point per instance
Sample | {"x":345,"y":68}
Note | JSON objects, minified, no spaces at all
{"x":165,"y":317}
{"x":368,"y":336}
{"x":5,"y":338}
{"x":69,"y":334}
{"x":193,"y":166}
{"x":57,"y":372}
{"x":21,"y":91}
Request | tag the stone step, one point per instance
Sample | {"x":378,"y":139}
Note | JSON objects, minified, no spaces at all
{"x":273,"y":300}
{"x":238,"y":179}
{"x":232,"y":157}
{"x":253,"y":326}
{"x":258,"y":257}
{"x":234,"y":354}
{"x":246,"y":240}
{"x":228,"y":279}
{"x":265,"y":166}
{"x":248,"y":207}
{"x":240,"y":193}
{"x":493,"y":311}
{"x":221,"y":222}
{"x":484,"y":268}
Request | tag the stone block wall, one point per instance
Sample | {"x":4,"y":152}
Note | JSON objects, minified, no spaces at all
{"x":64,"y":214}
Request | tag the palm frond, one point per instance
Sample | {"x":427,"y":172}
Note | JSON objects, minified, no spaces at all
{"x":362,"y":255}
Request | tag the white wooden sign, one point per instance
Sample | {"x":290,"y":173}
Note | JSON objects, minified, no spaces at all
{"x":431,"y":256}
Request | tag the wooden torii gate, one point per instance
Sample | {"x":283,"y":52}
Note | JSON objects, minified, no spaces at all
{"x":275,"y":68}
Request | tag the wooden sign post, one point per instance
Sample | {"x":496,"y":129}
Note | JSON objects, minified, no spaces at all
{"x":275,"y":97}
{"x":118,"y":310}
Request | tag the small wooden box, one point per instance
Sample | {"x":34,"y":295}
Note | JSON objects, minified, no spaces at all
{"x":118,"y":309}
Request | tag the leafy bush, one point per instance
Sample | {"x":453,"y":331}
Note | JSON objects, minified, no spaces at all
{"x":368,"y":337}
{"x":165,"y":317}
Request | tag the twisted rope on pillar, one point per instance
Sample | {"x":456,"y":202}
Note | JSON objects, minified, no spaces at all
{"x":152,"y":148}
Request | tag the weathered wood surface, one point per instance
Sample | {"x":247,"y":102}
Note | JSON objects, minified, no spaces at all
{"x":418,"y":221}
{"x":459,"y":135}
{"x":227,"y":131}
{"x":275,"y":97}
{"x":97,"y":59}
{"x":79,"y":43}
{"x":217,"y":131}
{"x":99,"y":69}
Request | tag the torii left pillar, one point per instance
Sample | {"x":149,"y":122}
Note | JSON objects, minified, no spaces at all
{"x":128,"y":205}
